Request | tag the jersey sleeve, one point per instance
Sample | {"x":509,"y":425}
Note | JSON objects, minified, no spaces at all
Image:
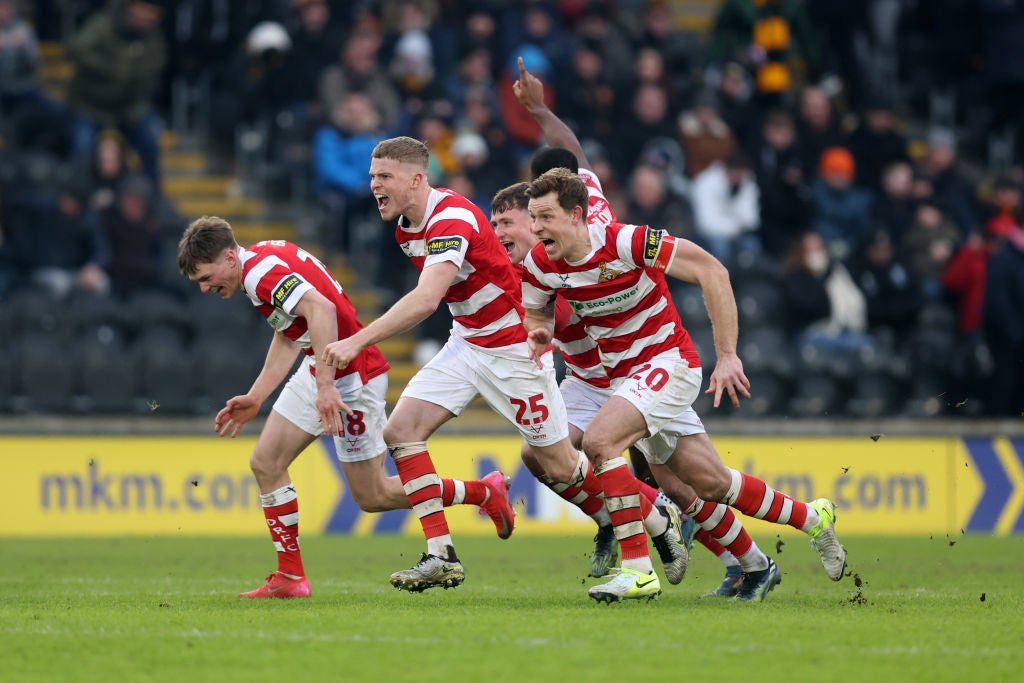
{"x":647,"y":246}
{"x":536,"y":295}
{"x":599,"y":211}
{"x":448,"y":238}
{"x":276,"y":284}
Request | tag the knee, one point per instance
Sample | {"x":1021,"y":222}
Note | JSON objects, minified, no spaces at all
{"x":262,"y":466}
{"x":711,"y":485}
{"x":598,"y":448}
{"x":370,"y":501}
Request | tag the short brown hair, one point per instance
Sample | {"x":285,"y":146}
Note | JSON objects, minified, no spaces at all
{"x":404,"y":149}
{"x":511,"y":197}
{"x":203,"y":242}
{"x":569,"y":187}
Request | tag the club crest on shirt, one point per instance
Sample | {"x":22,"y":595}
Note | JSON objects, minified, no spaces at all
{"x":284,"y":290}
{"x":605,"y":273}
{"x":439,"y":245}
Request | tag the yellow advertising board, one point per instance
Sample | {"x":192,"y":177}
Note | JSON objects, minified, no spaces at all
{"x":77,"y":486}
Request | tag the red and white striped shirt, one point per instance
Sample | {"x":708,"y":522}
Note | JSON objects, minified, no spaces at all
{"x":618,"y":291}
{"x":275,"y":275}
{"x":485,"y":296}
{"x":579,"y":351}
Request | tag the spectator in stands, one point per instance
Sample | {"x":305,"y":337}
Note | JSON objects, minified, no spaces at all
{"x":650,"y":119}
{"x":315,"y":42}
{"x":474,"y":72}
{"x":112,"y":160}
{"x":736,"y":105}
{"x":947,"y":184}
{"x":817,"y":125}
{"x":56,"y":241}
{"x":524,"y":133}
{"x":587,"y":100}
{"x":358,"y":71}
{"x":929,"y":245}
{"x":479,"y":114}
{"x":598,"y":31}
{"x":892,"y":293}
{"x":119,"y":56}
{"x":826,"y":309}
{"x":876,"y":144}
{"x":678,"y":51}
{"x":704,"y":135}
{"x":785,"y":196}
{"x":132,"y":227}
{"x":412,"y":68}
{"x":651,"y":202}
{"x":726,"y":205}
{"x":19,"y":58}
{"x":843,"y":211}
{"x":895,"y":205}
{"x":474,"y":158}
{"x":340,"y":151}
{"x":649,"y":67}
{"x":1004,"y":324}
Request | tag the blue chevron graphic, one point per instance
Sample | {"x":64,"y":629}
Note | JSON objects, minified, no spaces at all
{"x":998,"y":487}
{"x":1018,"y":450}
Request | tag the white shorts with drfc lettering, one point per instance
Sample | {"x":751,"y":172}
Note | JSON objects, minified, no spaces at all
{"x":363,"y":432}
{"x":513,"y":386}
{"x":663,"y":390}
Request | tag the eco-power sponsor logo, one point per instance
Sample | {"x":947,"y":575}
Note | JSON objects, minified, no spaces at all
{"x":609,"y":304}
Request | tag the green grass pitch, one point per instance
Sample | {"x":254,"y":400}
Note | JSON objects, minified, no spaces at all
{"x":164,"y":609}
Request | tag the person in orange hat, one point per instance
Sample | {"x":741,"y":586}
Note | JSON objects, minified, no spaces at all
{"x":843,"y":210}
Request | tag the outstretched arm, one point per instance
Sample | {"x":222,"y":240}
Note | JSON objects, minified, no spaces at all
{"x":406,"y":313}
{"x":529,"y":90}
{"x":691,"y":263}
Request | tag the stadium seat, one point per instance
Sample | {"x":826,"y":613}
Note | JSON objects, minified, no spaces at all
{"x":44,"y":374}
{"x":768,"y":392}
{"x":874,"y":395}
{"x":150,"y":309}
{"x":106,"y":376}
{"x":96,"y":317}
{"x":766,"y":349}
{"x":759,"y":303}
{"x":167,"y":374}
{"x":816,"y":395}
{"x":689,"y":302}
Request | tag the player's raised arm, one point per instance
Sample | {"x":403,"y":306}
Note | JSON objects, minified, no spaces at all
{"x":529,"y":90}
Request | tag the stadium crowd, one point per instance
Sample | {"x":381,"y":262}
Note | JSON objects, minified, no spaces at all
{"x":856,"y":164}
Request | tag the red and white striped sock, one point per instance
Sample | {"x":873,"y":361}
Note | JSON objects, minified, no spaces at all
{"x":720,"y":522}
{"x":625,"y":505}
{"x":754,"y":498}
{"x":281,"y":509}
{"x":463,"y":492}
{"x":719,"y":550}
{"x":423,"y":487}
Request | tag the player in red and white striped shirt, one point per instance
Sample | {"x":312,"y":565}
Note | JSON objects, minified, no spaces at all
{"x":614,"y":278}
{"x":461,"y":263}
{"x":586,"y":386}
{"x":307,"y":308}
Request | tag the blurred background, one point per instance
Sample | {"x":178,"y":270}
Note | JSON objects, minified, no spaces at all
{"x":856,"y":163}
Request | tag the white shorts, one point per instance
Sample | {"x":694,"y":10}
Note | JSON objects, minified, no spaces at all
{"x":663,"y":390}
{"x":514,"y":387}
{"x":582,"y":401}
{"x":363,"y":437}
